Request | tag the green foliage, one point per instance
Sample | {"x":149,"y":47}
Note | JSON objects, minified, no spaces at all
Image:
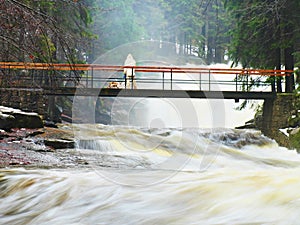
{"x":297,"y":73}
{"x":295,"y":140}
{"x":253,"y":39}
{"x":265,"y":34}
{"x":47,"y":48}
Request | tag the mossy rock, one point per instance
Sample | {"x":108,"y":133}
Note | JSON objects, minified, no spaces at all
{"x":294,"y":122}
{"x":28,"y":120}
{"x":295,"y":139}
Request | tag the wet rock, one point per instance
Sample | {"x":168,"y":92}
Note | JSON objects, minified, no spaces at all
{"x":48,"y":123}
{"x":54,"y":133}
{"x":59,"y":143}
{"x":15,"y":118}
{"x":248,"y":125}
{"x":3,"y":134}
{"x":36,"y":145}
{"x":34,"y":133}
{"x":28,"y":120}
{"x":6,"y":121}
{"x":238,"y":138}
{"x":57,"y":138}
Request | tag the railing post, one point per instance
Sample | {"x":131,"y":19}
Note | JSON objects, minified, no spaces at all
{"x":9,"y":76}
{"x":92,"y":76}
{"x":132,"y":78}
{"x":171,"y":79}
{"x":87,"y":79}
{"x":236,"y":82}
{"x":125,"y":80}
{"x":247,"y":85}
{"x":209,"y":80}
{"x":163,"y":80}
{"x":200,"y":78}
{"x":87,"y":74}
{"x":31,"y":75}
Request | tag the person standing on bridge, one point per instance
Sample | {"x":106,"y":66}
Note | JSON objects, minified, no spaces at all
{"x":129,"y":73}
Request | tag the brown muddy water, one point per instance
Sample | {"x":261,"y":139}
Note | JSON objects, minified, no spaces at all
{"x":159,"y":176}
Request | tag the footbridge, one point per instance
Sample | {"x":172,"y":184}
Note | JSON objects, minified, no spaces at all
{"x":142,"y":81}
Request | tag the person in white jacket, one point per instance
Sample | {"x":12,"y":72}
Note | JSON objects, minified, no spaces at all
{"x":129,"y":73}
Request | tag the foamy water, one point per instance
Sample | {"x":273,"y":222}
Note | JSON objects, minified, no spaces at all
{"x":160,"y":176}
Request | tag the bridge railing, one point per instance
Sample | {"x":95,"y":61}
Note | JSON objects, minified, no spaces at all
{"x":43,"y":75}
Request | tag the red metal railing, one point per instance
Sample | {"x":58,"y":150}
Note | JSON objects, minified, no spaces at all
{"x":87,"y":67}
{"x":95,"y":75}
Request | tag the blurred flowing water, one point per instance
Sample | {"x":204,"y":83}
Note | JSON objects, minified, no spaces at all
{"x":160,"y":176}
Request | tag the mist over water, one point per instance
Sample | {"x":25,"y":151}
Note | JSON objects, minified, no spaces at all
{"x":204,"y":113}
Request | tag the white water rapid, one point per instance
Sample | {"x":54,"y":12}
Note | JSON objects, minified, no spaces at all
{"x":160,"y":176}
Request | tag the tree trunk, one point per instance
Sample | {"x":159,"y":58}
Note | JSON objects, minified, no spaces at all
{"x":278,"y":55}
{"x":289,"y":65}
{"x":289,"y":58}
{"x":22,"y":43}
{"x":278,"y":67}
{"x":206,"y":37}
{"x":219,"y":54}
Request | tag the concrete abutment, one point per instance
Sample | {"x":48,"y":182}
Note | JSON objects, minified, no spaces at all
{"x":275,"y":116}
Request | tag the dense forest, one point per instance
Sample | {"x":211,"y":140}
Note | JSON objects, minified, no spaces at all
{"x":253,"y":33}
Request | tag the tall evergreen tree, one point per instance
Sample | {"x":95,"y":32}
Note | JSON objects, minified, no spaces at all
{"x":264,"y":34}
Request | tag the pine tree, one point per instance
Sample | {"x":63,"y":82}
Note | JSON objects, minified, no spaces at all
{"x":264,"y":35}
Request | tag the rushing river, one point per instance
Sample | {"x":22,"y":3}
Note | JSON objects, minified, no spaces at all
{"x":160,"y":176}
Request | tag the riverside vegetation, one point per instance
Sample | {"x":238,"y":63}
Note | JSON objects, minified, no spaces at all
{"x":294,"y":124}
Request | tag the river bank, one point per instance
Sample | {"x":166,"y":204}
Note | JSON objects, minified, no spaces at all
{"x":45,"y":147}
{"x":279,"y":119}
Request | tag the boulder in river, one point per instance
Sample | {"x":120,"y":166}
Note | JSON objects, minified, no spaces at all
{"x":57,"y":138}
{"x":16,"y":118}
{"x":59,"y":143}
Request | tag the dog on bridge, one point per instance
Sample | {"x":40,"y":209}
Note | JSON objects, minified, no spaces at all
{"x":114,"y":85}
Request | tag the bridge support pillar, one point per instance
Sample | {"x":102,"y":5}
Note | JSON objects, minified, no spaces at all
{"x":276,"y":113}
{"x":267,"y":116}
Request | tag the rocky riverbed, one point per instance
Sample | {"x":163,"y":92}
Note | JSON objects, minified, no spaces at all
{"x":27,"y":141}
{"x":40,"y":148}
